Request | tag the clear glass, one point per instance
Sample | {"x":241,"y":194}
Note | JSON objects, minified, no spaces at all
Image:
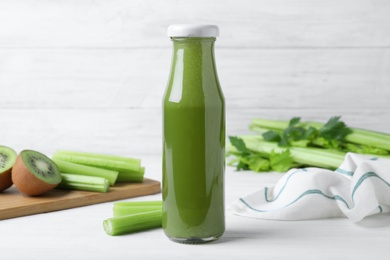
{"x":193,"y":145}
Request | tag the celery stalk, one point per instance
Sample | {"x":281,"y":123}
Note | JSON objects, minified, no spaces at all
{"x":74,"y":168}
{"x":362,"y":136}
{"x":306,"y":156}
{"x":369,"y":138}
{"x":138,"y":203}
{"x":134,"y":161}
{"x":125,"y":210}
{"x":131,"y":176}
{"x":132,"y":207}
{"x":83,"y":182}
{"x":132,"y":223}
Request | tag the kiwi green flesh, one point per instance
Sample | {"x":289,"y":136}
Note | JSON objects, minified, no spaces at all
{"x":41,"y":166}
{"x":7,"y":158}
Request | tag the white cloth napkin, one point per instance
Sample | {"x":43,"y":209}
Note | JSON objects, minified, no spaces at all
{"x":358,"y":188}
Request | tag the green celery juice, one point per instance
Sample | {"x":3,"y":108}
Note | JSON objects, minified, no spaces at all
{"x":193,"y":145}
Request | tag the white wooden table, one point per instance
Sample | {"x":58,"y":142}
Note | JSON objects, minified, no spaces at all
{"x":78,"y":233}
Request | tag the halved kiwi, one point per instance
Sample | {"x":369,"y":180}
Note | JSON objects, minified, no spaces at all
{"x":7,"y":160}
{"x":34,"y":173}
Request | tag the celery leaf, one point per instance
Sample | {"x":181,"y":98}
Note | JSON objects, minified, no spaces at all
{"x":239,"y":144}
{"x":334,"y":129}
{"x":272,"y":136}
{"x":281,"y":162}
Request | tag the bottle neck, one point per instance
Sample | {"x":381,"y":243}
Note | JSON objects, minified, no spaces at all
{"x":193,"y":71}
{"x":194,"y":55}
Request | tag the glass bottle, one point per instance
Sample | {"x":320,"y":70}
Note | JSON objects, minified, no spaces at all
{"x":193,"y":139}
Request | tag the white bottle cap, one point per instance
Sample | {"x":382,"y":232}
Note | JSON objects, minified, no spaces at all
{"x":193,"y":30}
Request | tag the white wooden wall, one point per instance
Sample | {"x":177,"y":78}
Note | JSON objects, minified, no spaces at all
{"x":90,"y":74}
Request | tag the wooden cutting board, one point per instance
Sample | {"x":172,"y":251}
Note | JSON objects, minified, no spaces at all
{"x":14,"y":204}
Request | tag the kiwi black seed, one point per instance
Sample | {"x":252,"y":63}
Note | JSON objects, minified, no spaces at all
{"x":7,"y":160}
{"x":34,"y":173}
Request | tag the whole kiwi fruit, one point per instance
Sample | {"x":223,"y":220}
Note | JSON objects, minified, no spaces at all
{"x":7,"y":160}
{"x":34,"y":173}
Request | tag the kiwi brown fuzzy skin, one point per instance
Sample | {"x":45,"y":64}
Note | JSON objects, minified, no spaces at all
{"x":26,"y":182}
{"x":5,"y":180}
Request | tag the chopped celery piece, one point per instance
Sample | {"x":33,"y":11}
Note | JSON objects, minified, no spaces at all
{"x":83,"y":182}
{"x":129,"y":210}
{"x":133,"y":223}
{"x":102,"y":156}
{"x":132,"y":207}
{"x":106,"y":162}
{"x":131,"y":177}
{"x":80,"y":169}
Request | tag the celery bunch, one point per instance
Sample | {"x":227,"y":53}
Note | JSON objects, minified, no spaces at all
{"x":333,"y":134}
{"x":282,"y":145}
{"x":100,"y":168}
